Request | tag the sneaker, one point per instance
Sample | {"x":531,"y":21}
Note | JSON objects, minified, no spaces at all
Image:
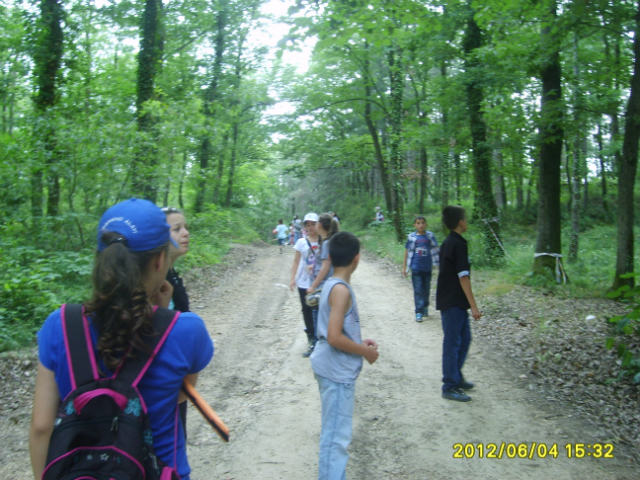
{"x":418,"y":317}
{"x":456,"y":394}
{"x":464,"y":385}
{"x":308,"y":353}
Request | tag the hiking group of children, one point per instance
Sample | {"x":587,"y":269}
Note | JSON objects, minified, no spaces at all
{"x":108,"y":395}
{"x":325,"y":260}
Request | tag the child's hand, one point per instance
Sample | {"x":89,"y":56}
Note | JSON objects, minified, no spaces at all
{"x":292,"y":284}
{"x":404,"y":271}
{"x":476,"y":314}
{"x":163,"y":296}
{"x":370,"y":343}
{"x":371,"y":353}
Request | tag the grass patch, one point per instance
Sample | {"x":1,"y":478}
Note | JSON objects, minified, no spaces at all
{"x":591,"y":276}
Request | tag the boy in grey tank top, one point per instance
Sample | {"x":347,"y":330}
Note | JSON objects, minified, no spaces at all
{"x":337,"y":357}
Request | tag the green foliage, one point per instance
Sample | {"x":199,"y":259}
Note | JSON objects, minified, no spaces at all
{"x":34,"y":282}
{"x":627,"y":331}
{"x":211,"y":234}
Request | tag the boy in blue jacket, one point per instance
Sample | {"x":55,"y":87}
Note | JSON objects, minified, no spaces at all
{"x":420,"y":255}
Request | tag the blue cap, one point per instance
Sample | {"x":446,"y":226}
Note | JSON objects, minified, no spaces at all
{"x":142,"y":223}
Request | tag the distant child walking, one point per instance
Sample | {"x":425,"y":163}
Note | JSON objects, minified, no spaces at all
{"x":281,"y":233}
{"x":302,"y":271}
{"x":453,"y":298}
{"x":337,"y":357}
{"x":420,"y":255}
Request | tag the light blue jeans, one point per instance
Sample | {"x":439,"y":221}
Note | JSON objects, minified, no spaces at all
{"x":337,"y":425}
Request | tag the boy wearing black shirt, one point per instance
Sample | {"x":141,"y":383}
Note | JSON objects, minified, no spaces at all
{"x":453,"y":298}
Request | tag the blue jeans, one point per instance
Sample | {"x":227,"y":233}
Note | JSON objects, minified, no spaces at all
{"x":337,"y":425}
{"x":455,"y":345}
{"x":421,"y":289}
{"x":296,"y":236}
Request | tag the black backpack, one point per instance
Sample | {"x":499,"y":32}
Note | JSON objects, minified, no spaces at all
{"x":102,"y":429}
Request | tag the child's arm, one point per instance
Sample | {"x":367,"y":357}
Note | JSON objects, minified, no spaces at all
{"x":294,"y":269}
{"x":404,"y":263}
{"x":465,"y":283}
{"x":46,"y":401}
{"x":339,"y":301}
{"x":326,"y":266}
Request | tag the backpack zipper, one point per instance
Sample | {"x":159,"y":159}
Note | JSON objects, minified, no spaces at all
{"x":114,"y":422}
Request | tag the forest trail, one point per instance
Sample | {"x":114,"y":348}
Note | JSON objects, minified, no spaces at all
{"x":264,"y":390}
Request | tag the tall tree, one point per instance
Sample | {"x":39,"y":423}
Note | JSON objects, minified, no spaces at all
{"x":149,"y":62}
{"x":48,"y":59}
{"x":627,"y":171}
{"x":210,"y":98}
{"x":548,"y":242}
{"x":485,"y":202}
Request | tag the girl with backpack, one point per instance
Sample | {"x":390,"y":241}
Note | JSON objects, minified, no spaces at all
{"x":119,"y":323}
{"x":302,"y":271}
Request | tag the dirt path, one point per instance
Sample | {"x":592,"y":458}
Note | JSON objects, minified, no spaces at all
{"x":264,"y":390}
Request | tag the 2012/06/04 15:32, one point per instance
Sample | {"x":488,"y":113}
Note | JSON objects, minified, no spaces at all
{"x":532,"y":450}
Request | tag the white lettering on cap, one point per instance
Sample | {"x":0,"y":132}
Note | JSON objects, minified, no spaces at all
{"x":127,"y":222}
{"x":134,"y":229}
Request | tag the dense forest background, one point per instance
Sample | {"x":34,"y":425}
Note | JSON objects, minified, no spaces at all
{"x":527,"y":112}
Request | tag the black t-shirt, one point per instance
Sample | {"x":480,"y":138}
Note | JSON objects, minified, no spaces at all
{"x":180,"y":297}
{"x":454,"y":264}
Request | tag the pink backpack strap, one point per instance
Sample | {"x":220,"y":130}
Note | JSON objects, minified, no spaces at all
{"x":81,"y":356}
{"x":134,"y":368}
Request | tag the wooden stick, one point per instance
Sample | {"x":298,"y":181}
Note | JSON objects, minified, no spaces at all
{"x":207,"y":412}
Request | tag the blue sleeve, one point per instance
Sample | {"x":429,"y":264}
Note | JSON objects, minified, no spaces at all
{"x":51,"y":341}
{"x":433,"y":238}
{"x":408,"y":244}
{"x":193,"y":333}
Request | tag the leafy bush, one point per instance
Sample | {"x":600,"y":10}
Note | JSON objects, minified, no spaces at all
{"x":33,"y":283}
{"x":627,"y":330}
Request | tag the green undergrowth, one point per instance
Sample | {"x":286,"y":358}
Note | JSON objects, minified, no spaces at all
{"x":38,"y":274}
{"x":591,"y":276}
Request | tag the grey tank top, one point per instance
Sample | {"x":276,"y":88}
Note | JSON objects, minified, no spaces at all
{"x":328,"y":361}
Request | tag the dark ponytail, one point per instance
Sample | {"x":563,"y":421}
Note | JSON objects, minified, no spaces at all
{"x":329,"y":225}
{"x":120,"y":306}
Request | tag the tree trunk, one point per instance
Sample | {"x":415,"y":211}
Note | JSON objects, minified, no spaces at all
{"x":424,"y":159}
{"x":603,"y":172}
{"x":205,"y":149}
{"x":232,"y":165}
{"x":485,"y":202}
{"x":456,"y":164}
{"x":210,"y":98}
{"x":373,"y":132}
{"x":627,"y":174}
{"x":149,"y":58}
{"x":396,"y":75}
{"x":574,"y":241}
{"x":48,"y":59}
{"x":220,"y":174}
{"x":184,"y":174}
{"x":551,"y":136}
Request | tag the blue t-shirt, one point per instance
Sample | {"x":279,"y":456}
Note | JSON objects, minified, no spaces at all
{"x":187,"y":349}
{"x":421,"y":260}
